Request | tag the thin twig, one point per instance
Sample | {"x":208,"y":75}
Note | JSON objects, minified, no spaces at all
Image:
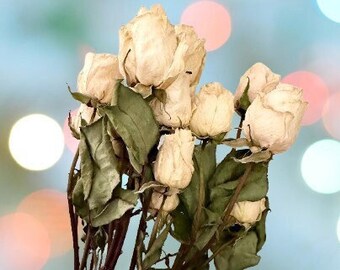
{"x":86,"y":248}
{"x":239,"y":130}
{"x":231,"y":241}
{"x":137,"y":253}
{"x":156,"y":224}
{"x":121,"y":234}
{"x":73,"y":216}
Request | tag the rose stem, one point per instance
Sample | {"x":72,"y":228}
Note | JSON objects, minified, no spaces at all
{"x":73,"y":216}
{"x":137,"y":252}
{"x":239,"y":130}
{"x":86,"y":248}
{"x":119,"y":241}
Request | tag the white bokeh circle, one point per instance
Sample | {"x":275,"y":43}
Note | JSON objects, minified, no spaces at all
{"x":320,"y":166}
{"x":36,"y":142}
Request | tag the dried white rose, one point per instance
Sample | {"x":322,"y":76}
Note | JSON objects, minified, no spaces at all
{"x":84,"y":114}
{"x":261,"y":79}
{"x":174,"y":165}
{"x":273,"y":120}
{"x":177,"y":108}
{"x":171,"y":201}
{"x":99,"y":76}
{"x":214,"y":110}
{"x":193,"y":52}
{"x":153,"y":53}
{"x":247,"y":213}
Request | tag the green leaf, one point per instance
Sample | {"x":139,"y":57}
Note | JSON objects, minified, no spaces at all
{"x":148,"y":185}
{"x":204,"y":159}
{"x":124,"y":201}
{"x":100,"y":238}
{"x":256,"y":186}
{"x":235,"y":143}
{"x":260,"y":228}
{"x":226,"y":178}
{"x":200,"y":262}
{"x":210,"y":222}
{"x":105,"y":175}
{"x":81,"y":97}
{"x":257,"y":157}
{"x":78,"y":200}
{"x":134,"y":121}
{"x":155,"y":251}
{"x":244,"y":101}
{"x":242,"y":255}
{"x":182,"y":224}
{"x":86,"y":166}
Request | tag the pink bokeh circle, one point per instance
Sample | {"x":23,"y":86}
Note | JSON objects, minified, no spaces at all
{"x":211,"y":21}
{"x":315,"y":92}
{"x":331,"y":115}
{"x":50,"y":208}
{"x":24,"y":243}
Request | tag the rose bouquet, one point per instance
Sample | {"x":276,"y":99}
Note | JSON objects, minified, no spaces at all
{"x":148,"y":147}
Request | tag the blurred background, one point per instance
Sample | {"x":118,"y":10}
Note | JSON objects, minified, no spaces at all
{"x":42,"y":47}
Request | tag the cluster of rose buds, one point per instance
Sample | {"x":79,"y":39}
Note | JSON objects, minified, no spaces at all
{"x":164,"y":63}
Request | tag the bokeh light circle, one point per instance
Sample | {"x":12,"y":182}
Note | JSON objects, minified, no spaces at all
{"x":320,"y":166}
{"x":24,"y":243}
{"x":51,"y":209}
{"x":70,"y":141}
{"x":331,"y":9}
{"x":331,"y":116}
{"x":36,"y":142}
{"x":315,"y":92}
{"x":211,"y":21}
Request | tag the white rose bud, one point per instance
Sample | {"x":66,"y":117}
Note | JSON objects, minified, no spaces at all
{"x":261,"y":79}
{"x":171,"y":201}
{"x":147,"y":45}
{"x":84,"y":113}
{"x":177,"y":109}
{"x":99,"y":76}
{"x":247,"y":213}
{"x":174,"y":165}
{"x":152,"y":52}
{"x":273,"y":120}
{"x":214,"y":110}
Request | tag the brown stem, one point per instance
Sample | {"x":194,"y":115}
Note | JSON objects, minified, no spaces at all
{"x":73,"y":216}
{"x":119,"y":241}
{"x":86,"y":248}
{"x":226,"y":217}
{"x":112,"y":228}
{"x":137,"y":252}
{"x":239,"y":130}
{"x":180,"y":257}
{"x":156,"y":224}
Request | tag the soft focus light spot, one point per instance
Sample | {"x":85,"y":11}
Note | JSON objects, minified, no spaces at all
{"x":331,"y":9}
{"x":211,"y":22}
{"x":24,"y":243}
{"x":315,"y":92}
{"x":36,"y":142}
{"x":320,"y":166}
{"x":331,"y":116}
{"x":70,"y":141}
{"x":50,"y":208}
